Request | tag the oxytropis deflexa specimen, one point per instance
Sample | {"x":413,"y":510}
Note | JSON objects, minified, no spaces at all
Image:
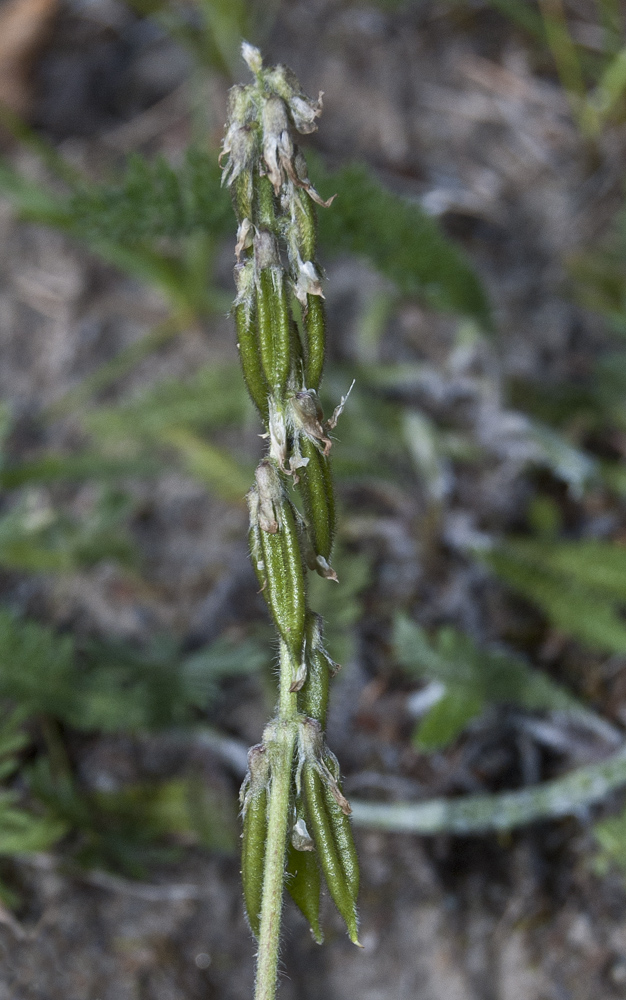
{"x":295,"y":817}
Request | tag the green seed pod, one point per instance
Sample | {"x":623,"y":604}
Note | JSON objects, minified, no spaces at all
{"x":303,"y":881}
{"x":305,"y":225}
{"x":273,"y":316}
{"x":254,"y":810}
{"x":319,"y":823}
{"x":273,"y":529}
{"x":285,"y":593}
{"x":318,"y":499}
{"x":313,"y":698}
{"x":254,"y":538}
{"x":247,"y":337}
{"x":242,"y":190}
{"x":250,"y":357}
{"x":303,"y":885}
{"x":315,"y":330}
{"x":283,"y":328}
{"x":342,"y":829}
{"x":265,"y":205}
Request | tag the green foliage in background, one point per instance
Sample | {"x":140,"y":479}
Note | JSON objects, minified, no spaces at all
{"x":107,"y":688}
{"x":400,"y":240}
{"x":21,"y":830}
{"x":472,"y":678}
{"x":610,"y":837}
{"x":152,"y":202}
{"x":37,"y":538}
{"x":580,"y":586}
{"x":113,"y":687}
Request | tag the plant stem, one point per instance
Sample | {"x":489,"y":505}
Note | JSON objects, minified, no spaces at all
{"x":282,"y":750}
{"x":567,"y":796}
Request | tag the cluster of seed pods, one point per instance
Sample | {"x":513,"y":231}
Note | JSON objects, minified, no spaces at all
{"x":280,"y":320}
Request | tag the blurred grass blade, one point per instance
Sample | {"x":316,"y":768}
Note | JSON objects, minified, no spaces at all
{"x":216,"y":468}
{"x":521,"y":13}
{"x":610,"y":89}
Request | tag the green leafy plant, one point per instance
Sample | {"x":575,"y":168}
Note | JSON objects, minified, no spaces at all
{"x":610,"y":837}
{"x":401,"y":241}
{"x":111,"y":687}
{"x":163,"y":224}
{"x":471,"y":678}
{"x":105,"y":688}
{"x":22,"y":830}
{"x":580,"y":586}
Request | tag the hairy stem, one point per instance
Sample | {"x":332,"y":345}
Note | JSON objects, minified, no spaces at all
{"x":567,"y":796}
{"x":283,"y":747}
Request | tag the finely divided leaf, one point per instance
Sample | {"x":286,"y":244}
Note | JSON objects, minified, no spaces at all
{"x":401,"y":241}
{"x":473,"y":678}
{"x":580,"y":586}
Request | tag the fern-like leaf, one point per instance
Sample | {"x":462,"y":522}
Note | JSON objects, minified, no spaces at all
{"x":472,"y":678}
{"x":580,"y":586}
{"x":401,"y":241}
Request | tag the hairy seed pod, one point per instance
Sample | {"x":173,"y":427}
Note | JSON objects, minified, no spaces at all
{"x":303,"y":882}
{"x":305,"y":225}
{"x":247,"y":342}
{"x":313,"y":698}
{"x":314,"y":320}
{"x":242,"y":190}
{"x":274,"y":324}
{"x":342,"y":829}
{"x":280,"y":555}
{"x":247,"y":337}
{"x":265,"y":206}
{"x":254,"y":538}
{"x":318,"y":498}
{"x":254,"y":809}
{"x":321,"y":828}
{"x":283,"y":328}
{"x":253,"y":859}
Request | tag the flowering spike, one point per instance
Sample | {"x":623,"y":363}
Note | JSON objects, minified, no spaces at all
{"x":295,"y":814}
